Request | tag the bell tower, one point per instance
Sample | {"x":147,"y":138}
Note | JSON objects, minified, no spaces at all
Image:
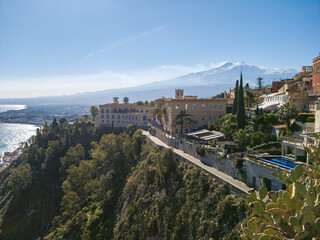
{"x":179,"y":93}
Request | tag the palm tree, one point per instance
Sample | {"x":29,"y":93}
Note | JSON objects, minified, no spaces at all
{"x":183,"y":119}
{"x":287,"y":112}
{"x":241,"y":139}
{"x":125,"y":100}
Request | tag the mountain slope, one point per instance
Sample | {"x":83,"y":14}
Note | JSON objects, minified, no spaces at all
{"x":64,"y":187}
{"x":204,"y":84}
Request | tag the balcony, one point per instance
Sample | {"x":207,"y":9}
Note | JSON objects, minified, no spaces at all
{"x":313,"y":92}
{"x":314,"y":107}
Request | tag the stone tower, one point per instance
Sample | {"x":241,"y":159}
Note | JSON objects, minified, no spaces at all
{"x":179,"y":93}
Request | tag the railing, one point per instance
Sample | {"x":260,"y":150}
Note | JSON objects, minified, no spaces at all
{"x":293,"y":141}
{"x":313,"y":92}
{"x":314,"y":107}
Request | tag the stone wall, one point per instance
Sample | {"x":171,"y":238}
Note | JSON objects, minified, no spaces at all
{"x":252,"y":173}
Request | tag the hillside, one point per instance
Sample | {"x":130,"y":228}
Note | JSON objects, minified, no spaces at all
{"x":203,"y":84}
{"x":118,"y":187}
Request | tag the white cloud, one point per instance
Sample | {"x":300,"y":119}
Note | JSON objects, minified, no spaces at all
{"x":126,"y":41}
{"x":71,"y":84}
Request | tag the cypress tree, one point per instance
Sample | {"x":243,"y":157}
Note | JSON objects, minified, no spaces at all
{"x":257,"y":112}
{"x":241,"y":116}
{"x":236,"y":97}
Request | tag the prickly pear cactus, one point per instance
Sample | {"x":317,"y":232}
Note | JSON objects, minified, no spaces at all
{"x":288,"y":214}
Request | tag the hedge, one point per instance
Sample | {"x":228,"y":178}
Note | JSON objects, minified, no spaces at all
{"x":305,"y":117}
{"x":267,"y":145}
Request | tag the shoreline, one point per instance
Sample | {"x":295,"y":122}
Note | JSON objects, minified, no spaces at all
{"x":8,"y":157}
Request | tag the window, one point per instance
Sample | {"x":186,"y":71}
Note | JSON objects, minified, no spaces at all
{"x":107,"y":116}
{"x":144,"y":118}
{"x":210,"y":118}
{"x":102,"y":121}
{"x":215,"y":106}
{"x":220,"y":106}
{"x":136,"y":118}
{"x":107,"y":110}
{"x":169,"y":104}
{"x":210,"y":106}
{"x":102,"y":116}
{"x":102,"y":110}
{"x":129,"y":117}
{"x":187,"y":106}
{"x":112,"y":116}
{"x":193,"y":106}
{"x":203,"y":106}
{"x":203,"y":118}
{"x":177,"y":106}
{"x":118,"y":116}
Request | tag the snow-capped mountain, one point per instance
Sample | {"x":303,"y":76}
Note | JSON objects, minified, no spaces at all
{"x":203,"y":84}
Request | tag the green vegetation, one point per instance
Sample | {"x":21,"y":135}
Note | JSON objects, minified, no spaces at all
{"x":241,"y":116}
{"x":287,"y":112}
{"x":305,"y":117}
{"x":94,"y":112}
{"x":288,"y":214}
{"x":78,"y":182}
{"x":125,"y":100}
{"x":183,"y":119}
{"x":236,"y":97}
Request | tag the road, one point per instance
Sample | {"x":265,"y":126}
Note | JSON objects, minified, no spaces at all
{"x":237,"y":186}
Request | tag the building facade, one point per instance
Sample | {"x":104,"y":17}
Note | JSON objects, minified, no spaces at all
{"x":202,"y":111}
{"x":120,"y":115}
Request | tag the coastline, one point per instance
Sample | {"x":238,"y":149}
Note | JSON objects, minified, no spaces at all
{"x":9,"y":157}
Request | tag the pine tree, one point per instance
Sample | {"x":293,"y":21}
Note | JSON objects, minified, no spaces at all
{"x":241,"y":111}
{"x":236,"y":97}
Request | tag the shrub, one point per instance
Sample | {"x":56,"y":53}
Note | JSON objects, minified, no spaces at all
{"x":303,"y":117}
{"x":201,"y":151}
{"x":267,"y":145}
{"x":311,"y":119}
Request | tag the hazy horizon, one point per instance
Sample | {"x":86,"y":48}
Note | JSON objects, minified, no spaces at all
{"x":66,"y":47}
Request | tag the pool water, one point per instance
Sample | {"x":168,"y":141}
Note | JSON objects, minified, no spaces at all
{"x":280,"y":162}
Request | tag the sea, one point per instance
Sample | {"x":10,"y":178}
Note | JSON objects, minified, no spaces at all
{"x":12,"y":134}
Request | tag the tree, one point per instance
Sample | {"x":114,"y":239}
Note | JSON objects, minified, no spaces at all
{"x":257,"y":112}
{"x":94,"y":112}
{"x":249,"y":98}
{"x":139,"y":103}
{"x":125,"y":100}
{"x":236,"y":97}
{"x":241,"y":139}
{"x":183,"y":119}
{"x":247,"y":86}
{"x":241,"y":115}
{"x":115,"y":99}
{"x":20,"y":178}
{"x":229,"y":126}
{"x":260,"y":82}
{"x":287,"y":112}
{"x":293,"y":213}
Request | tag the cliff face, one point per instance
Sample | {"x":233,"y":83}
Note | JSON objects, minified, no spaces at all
{"x":115,"y":188}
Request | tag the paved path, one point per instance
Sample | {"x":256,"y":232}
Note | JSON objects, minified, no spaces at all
{"x":237,"y":186}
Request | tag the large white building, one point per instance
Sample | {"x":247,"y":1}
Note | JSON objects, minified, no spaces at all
{"x":121,"y":115}
{"x":273,"y":101}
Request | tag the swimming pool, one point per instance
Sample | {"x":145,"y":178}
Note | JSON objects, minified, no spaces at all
{"x":280,"y":162}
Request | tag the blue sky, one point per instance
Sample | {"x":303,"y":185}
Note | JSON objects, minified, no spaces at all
{"x":67,"y":46}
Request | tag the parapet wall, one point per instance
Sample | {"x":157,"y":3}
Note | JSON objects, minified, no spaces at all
{"x":252,"y":173}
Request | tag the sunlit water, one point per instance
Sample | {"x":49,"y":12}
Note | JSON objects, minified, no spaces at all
{"x":4,"y":108}
{"x":12,"y":134}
